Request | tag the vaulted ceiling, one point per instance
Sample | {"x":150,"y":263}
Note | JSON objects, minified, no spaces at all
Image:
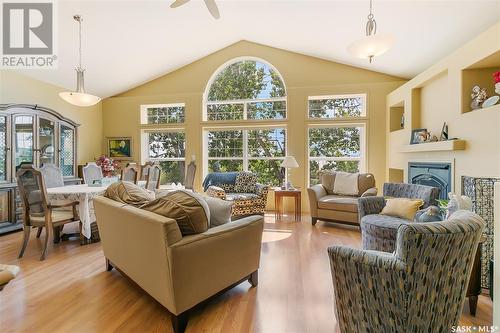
{"x":126,"y":43}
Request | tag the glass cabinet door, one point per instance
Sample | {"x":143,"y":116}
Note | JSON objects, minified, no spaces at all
{"x":46,"y":141}
{"x":23,"y":140}
{"x":4,"y":150}
{"x":67,"y":151}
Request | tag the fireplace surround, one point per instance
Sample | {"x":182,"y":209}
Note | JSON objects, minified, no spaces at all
{"x":435,"y":174}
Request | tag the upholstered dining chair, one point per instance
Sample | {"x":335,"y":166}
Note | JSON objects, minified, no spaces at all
{"x":153,"y":180}
{"x":130,"y":173}
{"x":91,"y":173}
{"x":419,"y":288}
{"x":145,"y":170}
{"x":52,"y":175}
{"x":37,"y":210}
{"x":190,"y":174}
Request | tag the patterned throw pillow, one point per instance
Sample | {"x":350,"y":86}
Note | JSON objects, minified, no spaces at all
{"x":246,"y":182}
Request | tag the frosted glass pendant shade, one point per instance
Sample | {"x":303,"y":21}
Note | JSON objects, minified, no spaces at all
{"x":371,"y":46}
{"x":79,"y":99}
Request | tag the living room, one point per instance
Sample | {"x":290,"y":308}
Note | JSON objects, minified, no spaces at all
{"x":337,"y":169}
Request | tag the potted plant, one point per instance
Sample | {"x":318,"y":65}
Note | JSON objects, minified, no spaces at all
{"x":108,"y":165}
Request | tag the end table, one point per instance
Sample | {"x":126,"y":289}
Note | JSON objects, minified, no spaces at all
{"x":279,"y":194}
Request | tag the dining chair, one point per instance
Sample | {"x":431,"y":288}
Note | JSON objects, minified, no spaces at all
{"x":52,"y":175}
{"x":130,"y":173}
{"x":145,"y":170}
{"x":37,"y":210}
{"x":91,"y":173}
{"x":190,"y":173}
{"x":153,"y":181}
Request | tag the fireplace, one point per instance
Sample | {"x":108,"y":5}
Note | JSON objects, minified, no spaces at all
{"x":431,"y":174}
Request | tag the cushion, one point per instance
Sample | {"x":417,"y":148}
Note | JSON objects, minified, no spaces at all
{"x":57,"y":216}
{"x":190,"y":210}
{"x":220,"y":211}
{"x":241,"y":196}
{"x":402,"y":207}
{"x":346,"y":183}
{"x":335,"y":202}
{"x":245,"y":182}
{"x":327,"y":179}
{"x":129,"y":193}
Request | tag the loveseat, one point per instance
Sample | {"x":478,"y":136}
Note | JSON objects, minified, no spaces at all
{"x":327,"y":205}
{"x":248,"y":196}
{"x":178,"y":271}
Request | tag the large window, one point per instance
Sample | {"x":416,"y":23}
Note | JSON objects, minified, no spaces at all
{"x":337,"y":148}
{"x":247,"y":89}
{"x":169,"y":149}
{"x":337,"y":106}
{"x":162,"y":113}
{"x":258,"y":150}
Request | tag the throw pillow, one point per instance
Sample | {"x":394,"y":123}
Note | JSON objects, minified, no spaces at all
{"x":346,"y":183}
{"x":189,"y":210}
{"x":129,"y":193}
{"x":402,"y":207}
{"x":246,"y":182}
{"x":327,"y":179}
{"x":220,"y":211}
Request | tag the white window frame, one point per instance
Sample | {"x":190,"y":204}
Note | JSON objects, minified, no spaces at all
{"x":245,"y":158}
{"x":363,"y":96}
{"x":362,"y":147}
{"x":145,"y":107}
{"x":145,"y":144}
{"x":245,"y":102}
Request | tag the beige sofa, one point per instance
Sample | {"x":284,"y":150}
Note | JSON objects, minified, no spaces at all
{"x":327,"y":206}
{"x":179,"y":272}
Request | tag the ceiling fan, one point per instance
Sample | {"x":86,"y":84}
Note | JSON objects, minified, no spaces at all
{"x":211,"y":6}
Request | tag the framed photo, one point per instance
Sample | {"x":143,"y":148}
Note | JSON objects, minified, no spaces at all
{"x":120,"y":148}
{"x":419,"y":135}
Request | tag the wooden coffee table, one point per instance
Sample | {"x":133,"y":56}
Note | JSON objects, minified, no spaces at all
{"x":279,"y":194}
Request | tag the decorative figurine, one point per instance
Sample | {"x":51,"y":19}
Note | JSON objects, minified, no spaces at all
{"x":478,"y":96}
{"x":458,"y":202}
{"x":429,"y":214}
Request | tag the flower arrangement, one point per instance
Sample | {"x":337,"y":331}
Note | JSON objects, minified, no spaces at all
{"x":108,"y":165}
{"x":496,"y":77}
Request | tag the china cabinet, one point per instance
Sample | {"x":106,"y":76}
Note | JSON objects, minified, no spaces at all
{"x":35,"y":135}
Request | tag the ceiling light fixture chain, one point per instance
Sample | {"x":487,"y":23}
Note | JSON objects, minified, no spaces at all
{"x":79,"y":19}
{"x":371,"y":25}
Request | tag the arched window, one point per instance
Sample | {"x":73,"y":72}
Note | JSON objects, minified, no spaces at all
{"x":246,"y":90}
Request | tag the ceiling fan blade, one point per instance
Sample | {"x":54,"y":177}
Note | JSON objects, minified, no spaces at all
{"x":212,"y":8}
{"x":178,"y":3}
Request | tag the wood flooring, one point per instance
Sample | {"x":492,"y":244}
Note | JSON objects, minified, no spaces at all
{"x":71,"y":291}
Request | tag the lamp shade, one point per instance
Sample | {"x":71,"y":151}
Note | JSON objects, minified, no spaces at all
{"x":289,"y":162}
{"x":79,"y":99}
{"x":371,"y":46}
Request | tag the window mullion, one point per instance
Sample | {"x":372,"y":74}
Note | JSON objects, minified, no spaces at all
{"x":245,"y":149}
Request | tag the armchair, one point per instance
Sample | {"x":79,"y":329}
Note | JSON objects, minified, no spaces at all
{"x":326,"y":205}
{"x":420,"y":288}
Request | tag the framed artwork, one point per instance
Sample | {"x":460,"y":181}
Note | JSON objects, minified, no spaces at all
{"x":120,"y":148}
{"x":419,"y":135}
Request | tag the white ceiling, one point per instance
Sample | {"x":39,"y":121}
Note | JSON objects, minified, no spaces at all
{"x":126,"y":43}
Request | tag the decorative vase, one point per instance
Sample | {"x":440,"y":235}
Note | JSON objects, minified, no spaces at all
{"x":497,"y":88}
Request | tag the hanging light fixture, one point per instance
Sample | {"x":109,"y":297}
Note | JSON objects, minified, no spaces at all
{"x":79,"y":97}
{"x":373,"y":44}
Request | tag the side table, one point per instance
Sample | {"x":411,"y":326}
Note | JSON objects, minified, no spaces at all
{"x":278,"y":202}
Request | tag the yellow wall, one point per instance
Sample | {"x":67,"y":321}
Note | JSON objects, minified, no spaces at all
{"x":303,"y":76}
{"x":17,"y":88}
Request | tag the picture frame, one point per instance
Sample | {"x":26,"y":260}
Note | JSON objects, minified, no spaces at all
{"x":119,"y":148}
{"x":444,"y":132}
{"x":419,"y":135}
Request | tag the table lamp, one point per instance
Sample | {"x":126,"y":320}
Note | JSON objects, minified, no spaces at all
{"x":288,"y":163}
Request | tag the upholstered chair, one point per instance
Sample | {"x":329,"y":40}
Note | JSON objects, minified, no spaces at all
{"x":52,"y":175}
{"x":419,"y":288}
{"x":190,"y":174}
{"x":130,"y":173}
{"x":91,"y":173}
{"x":153,"y":179}
{"x":378,"y":232}
{"x":329,"y":206}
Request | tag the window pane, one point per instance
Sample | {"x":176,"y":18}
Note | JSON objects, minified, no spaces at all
{"x":165,"y":115}
{"x":266,"y":110}
{"x":315,"y":166}
{"x":267,"y":171}
{"x":225,"y":111}
{"x":225,"y":144}
{"x":66,"y":157}
{"x":335,"y":142}
{"x":23,"y":137}
{"x":225,"y":165}
{"x":167,"y":144}
{"x":247,"y":79}
{"x":266,"y":143}
{"x":172,"y":172}
{"x":336,"y":107}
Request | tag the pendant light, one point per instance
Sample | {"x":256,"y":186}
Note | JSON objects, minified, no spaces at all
{"x":79,"y":97}
{"x":373,"y":44}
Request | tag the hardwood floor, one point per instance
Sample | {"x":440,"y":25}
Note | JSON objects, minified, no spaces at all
{"x":71,"y":291}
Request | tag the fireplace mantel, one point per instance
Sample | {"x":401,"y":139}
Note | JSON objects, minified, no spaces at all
{"x":434,"y":146}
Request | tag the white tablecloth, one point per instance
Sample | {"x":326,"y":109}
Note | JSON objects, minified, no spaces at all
{"x":84,"y":195}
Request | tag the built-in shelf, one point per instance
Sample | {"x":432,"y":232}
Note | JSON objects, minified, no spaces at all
{"x":396,"y":116}
{"x":434,"y":146}
{"x":489,"y":108}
